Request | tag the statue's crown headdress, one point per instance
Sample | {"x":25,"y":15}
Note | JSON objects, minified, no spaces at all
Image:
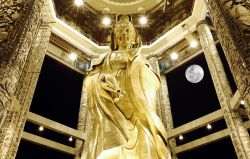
{"x":123,"y":17}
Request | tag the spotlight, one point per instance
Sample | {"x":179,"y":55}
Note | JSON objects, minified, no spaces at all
{"x":242,"y":102}
{"x":71,"y":139}
{"x":174,"y":56}
{"x":209,"y":126}
{"x":143,"y":20}
{"x":193,"y":43}
{"x":244,"y":64}
{"x":78,"y":2}
{"x":41,"y":128}
{"x":72,"y":56}
{"x":106,"y":21}
{"x":181,"y":137}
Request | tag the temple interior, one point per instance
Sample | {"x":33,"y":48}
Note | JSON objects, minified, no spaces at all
{"x":200,"y":50}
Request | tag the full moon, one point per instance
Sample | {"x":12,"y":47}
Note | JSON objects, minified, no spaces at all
{"x":194,"y":73}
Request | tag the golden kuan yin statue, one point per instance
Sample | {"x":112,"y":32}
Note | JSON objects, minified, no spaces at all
{"x":122,"y":88}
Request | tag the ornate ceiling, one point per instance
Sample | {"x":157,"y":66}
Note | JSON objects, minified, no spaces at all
{"x":123,"y":1}
{"x":162,"y":16}
{"x":123,"y":6}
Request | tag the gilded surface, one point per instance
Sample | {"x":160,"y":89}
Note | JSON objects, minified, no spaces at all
{"x":82,"y":118}
{"x":233,"y":43}
{"x":28,"y":81}
{"x":153,"y":61}
{"x":122,"y":88}
{"x":166,"y":112}
{"x":20,"y":62}
{"x":238,"y":133}
{"x":68,"y":47}
{"x":9,"y":12}
{"x":239,"y":13}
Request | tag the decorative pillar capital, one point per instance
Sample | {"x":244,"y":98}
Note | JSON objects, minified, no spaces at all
{"x":201,"y":22}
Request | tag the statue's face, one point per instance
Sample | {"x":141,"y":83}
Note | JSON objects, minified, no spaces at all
{"x":124,"y":34}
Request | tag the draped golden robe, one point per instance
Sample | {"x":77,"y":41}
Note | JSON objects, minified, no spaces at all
{"x":129,"y":128}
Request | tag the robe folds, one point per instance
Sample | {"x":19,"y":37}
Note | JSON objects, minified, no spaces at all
{"x":129,"y":128}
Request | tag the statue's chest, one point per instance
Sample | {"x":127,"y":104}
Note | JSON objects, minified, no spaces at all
{"x":118,"y":60}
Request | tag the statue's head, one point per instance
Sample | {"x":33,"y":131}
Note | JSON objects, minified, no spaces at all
{"x":124,"y":34}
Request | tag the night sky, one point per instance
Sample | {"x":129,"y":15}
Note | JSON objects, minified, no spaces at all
{"x":57,"y":97}
{"x":190,"y":101}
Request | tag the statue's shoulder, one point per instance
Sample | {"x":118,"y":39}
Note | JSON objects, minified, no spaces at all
{"x":143,"y":59}
{"x":97,"y":61}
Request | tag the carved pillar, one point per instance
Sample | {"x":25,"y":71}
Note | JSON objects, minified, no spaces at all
{"x":238,"y":132}
{"x":28,"y":81}
{"x":163,"y":103}
{"x":155,"y":66}
{"x":166,"y":111}
{"x":88,"y":127}
{"x":232,"y":23}
{"x":24,"y":35}
{"x":85,"y":125}
{"x":81,"y":121}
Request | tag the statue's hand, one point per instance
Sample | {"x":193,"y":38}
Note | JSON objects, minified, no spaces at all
{"x":110,"y":84}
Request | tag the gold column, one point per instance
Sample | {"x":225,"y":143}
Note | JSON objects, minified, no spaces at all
{"x":238,"y":132}
{"x":155,"y":66}
{"x":163,"y":103}
{"x":23,"y":38}
{"x":28,"y":81}
{"x":166,"y":109}
{"x":87,"y":130}
{"x":231,"y":20}
{"x":81,"y":126}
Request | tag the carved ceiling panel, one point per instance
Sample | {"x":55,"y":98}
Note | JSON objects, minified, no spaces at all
{"x":123,"y":1}
{"x":123,"y":6}
{"x":87,"y":19}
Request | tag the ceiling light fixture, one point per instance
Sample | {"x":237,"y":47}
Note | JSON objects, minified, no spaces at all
{"x":190,"y":37}
{"x":209,"y":126}
{"x":244,"y":64}
{"x":106,"y":21}
{"x":71,"y":139}
{"x":242,"y":102}
{"x":78,"y":2}
{"x":193,"y":43}
{"x":72,"y":56}
{"x":181,"y":137}
{"x":41,"y":128}
{"x":143,"y":20}
{"x":174,"y":56}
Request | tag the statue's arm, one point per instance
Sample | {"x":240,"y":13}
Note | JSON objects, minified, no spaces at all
{"x":107,"y":83}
